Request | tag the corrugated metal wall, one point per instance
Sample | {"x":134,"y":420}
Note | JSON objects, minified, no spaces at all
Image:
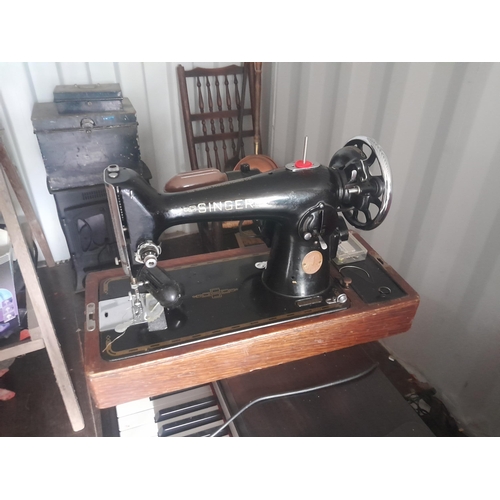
{"x":437,"y":123}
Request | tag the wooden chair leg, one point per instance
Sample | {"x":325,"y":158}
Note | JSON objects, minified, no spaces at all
{"x":218,"y":236}
{"x":212,"y":236}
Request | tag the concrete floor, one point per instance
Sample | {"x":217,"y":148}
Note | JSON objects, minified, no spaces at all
{"x":38,"y":408}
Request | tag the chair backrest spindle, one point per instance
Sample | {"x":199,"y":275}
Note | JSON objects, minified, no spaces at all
{"x":221,"y":120}
{"x":216,"y":117}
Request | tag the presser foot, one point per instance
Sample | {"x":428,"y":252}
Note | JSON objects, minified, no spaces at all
{"x":120,"y":313}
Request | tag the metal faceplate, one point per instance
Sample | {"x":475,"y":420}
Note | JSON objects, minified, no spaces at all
{"x":117,"y":216}
{"x":118,"y":314}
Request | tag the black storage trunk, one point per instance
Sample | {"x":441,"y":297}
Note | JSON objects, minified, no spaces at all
{"x":79,"y":135}
{"x":88,"y":98}
{"x":85,"y":129}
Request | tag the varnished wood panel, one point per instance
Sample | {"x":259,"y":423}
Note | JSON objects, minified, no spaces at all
{"x":117,"y":382}
{"x":367,"y":406}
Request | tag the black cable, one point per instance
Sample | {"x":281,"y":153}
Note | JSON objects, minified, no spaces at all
{"x":91,"y":239}
{"x":106,"y":246}
{"x":414,"y":401}
{"x":295,"y":393}
{"x":34,"y":255}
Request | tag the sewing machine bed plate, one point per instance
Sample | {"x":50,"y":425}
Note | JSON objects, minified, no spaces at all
{"x":221,"y":298}
{"x":221,"y":357}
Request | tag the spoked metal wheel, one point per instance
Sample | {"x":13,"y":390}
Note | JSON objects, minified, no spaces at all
{"x":373,"y":177}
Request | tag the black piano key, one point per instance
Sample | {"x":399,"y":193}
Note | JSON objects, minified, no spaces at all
{"x":178,"y":414}
{"x":189,"y":423}
{"x":180,"y":391}
{"x":185,"y":408}
{"x":209,"y":432}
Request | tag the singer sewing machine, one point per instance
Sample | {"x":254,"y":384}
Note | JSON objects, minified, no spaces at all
{"x":157,"y":326}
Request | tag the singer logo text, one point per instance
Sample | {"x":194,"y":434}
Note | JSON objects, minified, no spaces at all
{"x":220,"y":206}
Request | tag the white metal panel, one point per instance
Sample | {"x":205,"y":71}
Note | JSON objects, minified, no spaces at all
{"x":165,"y":134}
{"x":438,"y":124}
{"x":44,"y":77}
{"x":74,"y":73}
{"x":102,"y":72}
{"x":16,"y":103}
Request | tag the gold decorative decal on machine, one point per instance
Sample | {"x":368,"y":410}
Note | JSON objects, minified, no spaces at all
{"x":312,"y":262}
{"x":215,"y":293}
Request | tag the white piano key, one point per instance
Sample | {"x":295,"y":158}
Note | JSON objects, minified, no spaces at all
{"x":181,"y":397}
{"x":137,"y":418}
{"x":163,"y":401}
{"x":133,"y":407}
{"x":147,"y":430}
{"x":213,"y":425}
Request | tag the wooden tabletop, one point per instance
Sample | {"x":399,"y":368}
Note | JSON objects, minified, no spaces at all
{"x":120,"y":381}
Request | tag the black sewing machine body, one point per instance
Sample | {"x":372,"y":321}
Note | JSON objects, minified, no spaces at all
{"x":298,"y":209}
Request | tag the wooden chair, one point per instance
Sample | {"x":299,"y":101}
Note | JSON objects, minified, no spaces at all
{"x":218,"y":112}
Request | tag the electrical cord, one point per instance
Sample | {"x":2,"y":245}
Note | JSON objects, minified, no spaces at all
{"x":295,"y":393}
{"x":415,"y":401}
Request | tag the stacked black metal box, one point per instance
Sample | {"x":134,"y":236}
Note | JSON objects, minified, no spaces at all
{"x":85,"y":129}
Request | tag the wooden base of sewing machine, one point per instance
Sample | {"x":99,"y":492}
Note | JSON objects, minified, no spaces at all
{"x":217,"y":358}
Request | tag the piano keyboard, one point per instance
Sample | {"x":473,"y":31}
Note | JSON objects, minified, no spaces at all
{"x":191,"y":413}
